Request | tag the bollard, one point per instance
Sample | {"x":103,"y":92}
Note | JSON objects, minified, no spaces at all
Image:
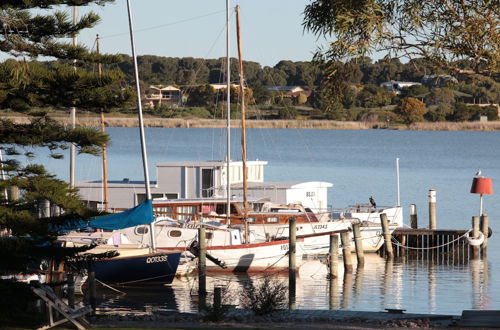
{"x":346,"y":252}
{"x":485,"y":230}
{"x":217,"y":300}
{"x":358,"y":244}
{"x":292,"y":263}
{"x":334,"y":256}
{"x":71,"y":289}
{"x":202,"y":269}
{"x":475,"y":234}
{"x":413,"y":216}
{"x":387,"y":235}
{"x":432,"y":209}
{"x":92,"y":291}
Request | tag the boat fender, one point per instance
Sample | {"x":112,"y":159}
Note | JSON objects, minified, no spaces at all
{"x":475,"y":241}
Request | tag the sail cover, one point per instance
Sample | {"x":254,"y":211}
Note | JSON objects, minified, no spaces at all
{"x":139,"y":215}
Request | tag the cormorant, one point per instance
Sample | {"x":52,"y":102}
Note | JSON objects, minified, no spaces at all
{"x":372,"y":201}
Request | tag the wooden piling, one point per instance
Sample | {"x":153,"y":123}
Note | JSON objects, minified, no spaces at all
{"x":387,"y":235}
{"x":485,"y":231}
{"x":202,"y":269}
{"x":71,"y":289}
{"x":346,"y":252}
{"x":292,"y":227}
{"x":333,"y":261}
{"x":92,"y":290}
{"x":432,"y":209}
{"x":217,"y":299}
{"x":358,"y":244}
{"x":413,"y":216}
{"x":475,"y":234}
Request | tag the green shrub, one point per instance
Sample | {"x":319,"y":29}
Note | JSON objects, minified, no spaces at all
{"x":266,"y":297}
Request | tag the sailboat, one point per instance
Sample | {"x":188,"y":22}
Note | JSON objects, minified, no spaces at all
{"x":135,"y":264}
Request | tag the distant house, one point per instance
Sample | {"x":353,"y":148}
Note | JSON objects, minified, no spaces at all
{"x":285,"y":89}
{"x":397,"y":86}
{"x":159,"y":94}
{"x":292,"y":92}
{"x":438,"y":80}
{"x":223,"y":86}
{"x":459,"y":97}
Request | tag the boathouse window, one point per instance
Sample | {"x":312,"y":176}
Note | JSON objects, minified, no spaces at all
{"x":164,"y":211}
{"x":221,"y":209}
{"x":141,"y":230}
{"x":207,"y":182}
{"x":272,"y":219}
{"x":142,"y":197}
{"x":175,"y":233}
{"x":251,"y":220}
{"x":209,"y":235}
{"x":186,"y":212}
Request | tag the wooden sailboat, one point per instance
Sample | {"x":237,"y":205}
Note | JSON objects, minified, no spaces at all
{"x":136,"y":264}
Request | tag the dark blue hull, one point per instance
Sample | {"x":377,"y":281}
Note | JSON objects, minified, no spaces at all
{"x":156,"y":268}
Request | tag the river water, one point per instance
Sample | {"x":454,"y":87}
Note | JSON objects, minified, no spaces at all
{"x":359,"y":164}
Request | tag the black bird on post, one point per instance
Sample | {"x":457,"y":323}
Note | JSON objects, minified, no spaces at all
{"x":372,"y":201}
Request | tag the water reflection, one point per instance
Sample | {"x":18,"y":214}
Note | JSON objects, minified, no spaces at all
{"x":419,"y":286}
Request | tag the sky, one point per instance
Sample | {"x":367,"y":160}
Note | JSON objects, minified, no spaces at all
{"x":271,"y":29}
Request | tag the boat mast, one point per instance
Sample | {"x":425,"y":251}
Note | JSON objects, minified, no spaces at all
{"x":243,"y":123}
{"x":73,"y":114}
{"x":141,"y":123}
{"x":104,"y":166}
{"x":228,"y":110}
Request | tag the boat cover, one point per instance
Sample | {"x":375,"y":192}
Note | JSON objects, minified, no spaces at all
{"x":139,"y":215}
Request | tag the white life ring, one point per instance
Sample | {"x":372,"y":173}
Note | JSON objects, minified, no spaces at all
{"x":475,"y":241}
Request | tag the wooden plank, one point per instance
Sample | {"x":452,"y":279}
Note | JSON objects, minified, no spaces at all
{"x":480,"y":318}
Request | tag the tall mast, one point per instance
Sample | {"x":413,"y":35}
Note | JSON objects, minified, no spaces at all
{"x":141,"y":122}
{"x":243,"y":123}
{"x":228,"y":110}
{"x":73,"y":115}
{"x":104,"y":166}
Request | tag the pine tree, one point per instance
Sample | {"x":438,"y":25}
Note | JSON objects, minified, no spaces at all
{"x":26,"y":33}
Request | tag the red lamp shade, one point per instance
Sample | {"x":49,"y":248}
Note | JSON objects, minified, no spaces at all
{"x":481,"y":186}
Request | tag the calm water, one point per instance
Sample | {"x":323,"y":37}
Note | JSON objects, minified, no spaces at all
{"x":359,"y":164}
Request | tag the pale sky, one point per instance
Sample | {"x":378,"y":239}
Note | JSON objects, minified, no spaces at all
{"x":271,"y":29}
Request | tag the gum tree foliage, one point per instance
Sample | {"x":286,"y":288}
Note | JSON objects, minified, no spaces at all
{"x":29,"y":30}
{"x":411,"y":110}
{"x":455,"y":36}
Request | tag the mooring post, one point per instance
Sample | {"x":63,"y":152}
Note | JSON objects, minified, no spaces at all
{"x":387,"y":235}
{"x":292,"y":263}
{"x":432,"y":209}
{"x":92,"y":290}
{"x":358,"y":244}
{"x":475,"y":235}
{"x":217,"y":299}
{"x":71,"y":289}
{"x":334,"y":256}
{"x":346,"y":252}
{"x":202,"y":269}
{"x":485,"y":230}
{"x":413,"y":216}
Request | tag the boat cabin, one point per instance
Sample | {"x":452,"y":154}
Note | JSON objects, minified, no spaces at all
{"x":200,"y":180}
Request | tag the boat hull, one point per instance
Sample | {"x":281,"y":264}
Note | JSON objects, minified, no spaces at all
{"x":155,"y":268}
{"x":247,"y":258}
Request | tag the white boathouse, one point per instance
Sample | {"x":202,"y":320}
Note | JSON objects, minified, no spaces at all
{"x":176,"y":180}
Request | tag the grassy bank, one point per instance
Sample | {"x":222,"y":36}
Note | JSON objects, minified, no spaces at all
{"x":92,"y":120}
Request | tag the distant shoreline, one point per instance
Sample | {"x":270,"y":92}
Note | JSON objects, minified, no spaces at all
{"x":123,"y":121}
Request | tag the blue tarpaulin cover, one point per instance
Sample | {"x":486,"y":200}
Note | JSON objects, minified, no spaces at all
{"x":139,"y":215}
